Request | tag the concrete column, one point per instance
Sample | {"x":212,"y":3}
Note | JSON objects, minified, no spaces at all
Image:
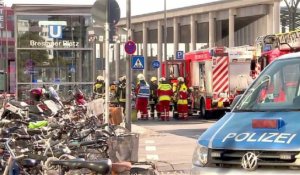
{"x":175,"y":36}
{"x":193,"y":33}
{"x":276,"y":16}
{"x":231,"y":27}
{"x":159,"y":46}
{"x":270,"y":20}
{"x":117,"y":59}
{"x":145,"y":50}
{"x":212,"y":29}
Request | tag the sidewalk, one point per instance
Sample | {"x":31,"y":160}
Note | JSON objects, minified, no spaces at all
{"x":141,"y":130}
{"x":160,"y":148}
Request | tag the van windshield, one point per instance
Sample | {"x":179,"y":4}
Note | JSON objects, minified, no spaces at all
{"x":276,"y":89}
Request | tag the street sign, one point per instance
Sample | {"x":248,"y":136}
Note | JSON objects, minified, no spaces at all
{"x":179,"y":55}
{"x":137,"y":62}
{"x":130,"y":47}
{"x":155,"y":64}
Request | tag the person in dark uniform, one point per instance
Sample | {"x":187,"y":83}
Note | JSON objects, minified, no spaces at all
{"x":153,"y":97}
{"x":121,"y":92}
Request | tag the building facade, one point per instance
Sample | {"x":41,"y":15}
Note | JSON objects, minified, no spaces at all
{"x":7,"y":50}
{"x":53,"y":47}
{"x":217,"y":24}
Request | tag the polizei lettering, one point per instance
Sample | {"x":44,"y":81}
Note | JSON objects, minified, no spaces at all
{"x":285,"y":138}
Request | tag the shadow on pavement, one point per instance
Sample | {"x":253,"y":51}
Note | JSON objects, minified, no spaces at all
{"x":190,"y":133}
{"x":187,"y":129}
{"x":172,"y":121}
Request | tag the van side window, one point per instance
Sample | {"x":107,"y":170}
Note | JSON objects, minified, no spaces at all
{"x":291,"y":76}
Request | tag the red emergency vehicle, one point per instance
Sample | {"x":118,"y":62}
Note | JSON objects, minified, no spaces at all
{"x":214,"y":75}
{"x":270,"y":47}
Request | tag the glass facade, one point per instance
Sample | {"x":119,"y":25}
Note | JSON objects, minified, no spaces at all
{"x":7,"y":51}
{"x":54,"y":50}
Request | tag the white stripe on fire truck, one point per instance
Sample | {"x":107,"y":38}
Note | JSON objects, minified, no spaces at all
{"x":217,"y":61}
{"x":220,"y":65}
{"x":223,"y":87}
{"x":220,"y":76}
{"x":217,"y":73}
{"x":220,"y":62}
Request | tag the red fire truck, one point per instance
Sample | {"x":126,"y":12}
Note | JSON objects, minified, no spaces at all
{"x":214,"y":75}
{"x":270,"y":47}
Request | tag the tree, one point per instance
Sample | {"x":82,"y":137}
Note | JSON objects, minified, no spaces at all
{"x":292,"y":6}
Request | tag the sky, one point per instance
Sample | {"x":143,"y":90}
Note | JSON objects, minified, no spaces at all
{"x":137,"y":6}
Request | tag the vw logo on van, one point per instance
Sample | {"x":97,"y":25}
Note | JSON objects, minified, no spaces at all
{"x":249,"y":161}
{"x":55,"y":31}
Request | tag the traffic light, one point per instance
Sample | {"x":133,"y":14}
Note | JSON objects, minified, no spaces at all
{"x":112,"y":33}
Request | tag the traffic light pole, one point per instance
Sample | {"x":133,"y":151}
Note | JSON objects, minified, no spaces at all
{"x":128,"y":70}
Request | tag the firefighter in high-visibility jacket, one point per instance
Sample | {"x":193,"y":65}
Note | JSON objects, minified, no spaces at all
{"x":142,"y":93}
{"x":182,"y":99}
{"x":164,"y":92}
{"x":99,"y":87}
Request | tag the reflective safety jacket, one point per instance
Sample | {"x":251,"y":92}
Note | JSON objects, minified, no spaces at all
{"x":143,"y":90}
{"x":182,"y":94}
{"x":164,"y":92}
{"x":99,"y":88}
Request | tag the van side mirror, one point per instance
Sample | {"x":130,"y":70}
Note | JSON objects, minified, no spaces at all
{"x":235,"y":100}
{"x":252,"y":65}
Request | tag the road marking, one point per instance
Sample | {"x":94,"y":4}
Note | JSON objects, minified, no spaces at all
{"x":150,"y":148}
{"x":152,"y":157}
{"x":149,"y":141}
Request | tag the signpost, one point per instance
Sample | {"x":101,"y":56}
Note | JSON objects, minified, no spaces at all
{"x":138,"y":62}
{"x":179,"y":55}
{"x":155,"y":64}
{"x":130,"y":47}
{"x":106,"y":13}
{"x":128,"y":71}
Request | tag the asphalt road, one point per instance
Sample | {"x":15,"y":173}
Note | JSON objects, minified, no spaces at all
{"x":170,"y":144}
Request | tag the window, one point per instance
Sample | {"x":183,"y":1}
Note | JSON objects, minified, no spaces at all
{"x":11,"y":49}
{"x":277,"y":88}
{"x":54,"y":66}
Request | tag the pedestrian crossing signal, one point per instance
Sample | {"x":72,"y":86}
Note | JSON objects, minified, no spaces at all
{"x":137,"y":63}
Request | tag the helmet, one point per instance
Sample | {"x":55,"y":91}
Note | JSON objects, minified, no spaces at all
{"x":100,"y":78}
{"x":180,"y":79}
{"x":153,"y":78}
{"x":162,"y":79}
{"x":141,"y":77}
{"x":122,"y":78}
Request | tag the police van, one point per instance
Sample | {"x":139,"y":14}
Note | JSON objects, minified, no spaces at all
{"x":261,"y":134}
